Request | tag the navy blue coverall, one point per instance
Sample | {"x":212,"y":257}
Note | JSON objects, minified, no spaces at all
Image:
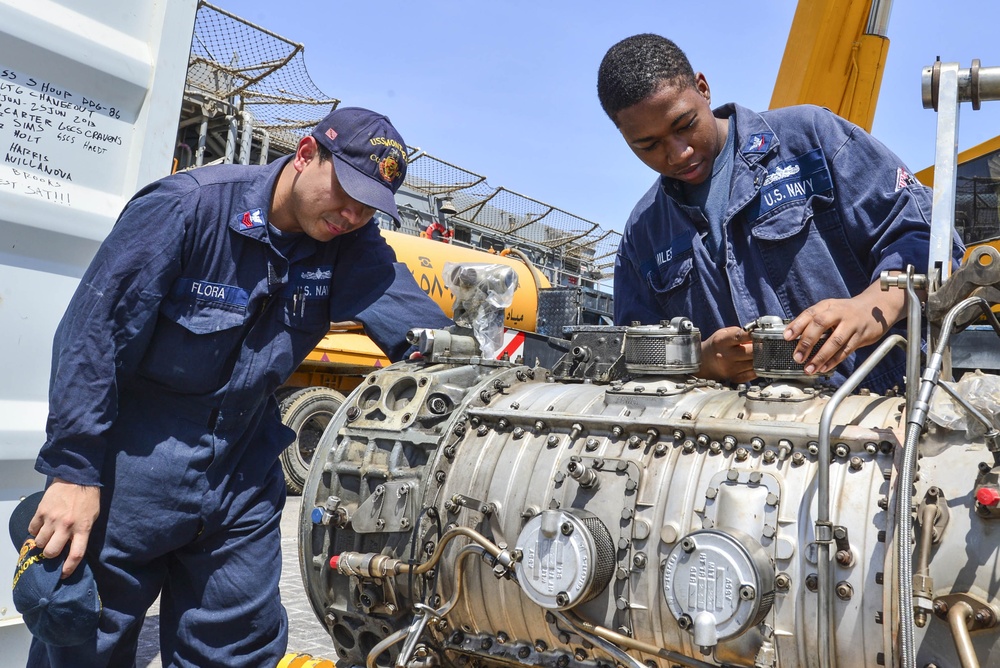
{"x":163,"y":371}
{"x":818,"y":208}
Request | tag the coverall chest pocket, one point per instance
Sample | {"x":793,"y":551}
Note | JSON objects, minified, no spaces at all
{"x":194,"y":346}
{"x":673,"y":285}
{"x":306,"y":311}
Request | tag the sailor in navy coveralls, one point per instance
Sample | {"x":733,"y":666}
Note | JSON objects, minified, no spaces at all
{"x":793,"y":212}
{"x":163,"y":434}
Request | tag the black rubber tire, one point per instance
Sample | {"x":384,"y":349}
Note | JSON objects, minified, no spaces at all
{"x":308,"y":412}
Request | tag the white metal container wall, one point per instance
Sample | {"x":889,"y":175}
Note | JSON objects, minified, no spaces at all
{"x":90,"y":94}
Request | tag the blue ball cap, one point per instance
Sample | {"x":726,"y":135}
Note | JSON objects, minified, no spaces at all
{"x":57,"y":612}
{"x":369,"y":156}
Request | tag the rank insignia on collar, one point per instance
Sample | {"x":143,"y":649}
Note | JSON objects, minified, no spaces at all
{"x":252,"y":219}
{"x":759,"y":143}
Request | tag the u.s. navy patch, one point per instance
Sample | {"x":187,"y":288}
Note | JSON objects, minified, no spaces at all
{"x":759,"y":143}
{"x":903,"y":179}
{"x":792,"y":180}
{"x":252,"y":219}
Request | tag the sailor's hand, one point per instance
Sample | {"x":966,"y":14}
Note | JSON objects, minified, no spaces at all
{"x":852,"y":323}
{"x":727,"y":355}
{"x":65,"y":516}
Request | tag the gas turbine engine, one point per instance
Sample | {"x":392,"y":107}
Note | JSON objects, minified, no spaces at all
{"x":617,"y":510}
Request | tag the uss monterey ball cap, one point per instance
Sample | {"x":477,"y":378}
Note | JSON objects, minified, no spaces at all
{"x":369,"y":156}
{"x":57,"y":612}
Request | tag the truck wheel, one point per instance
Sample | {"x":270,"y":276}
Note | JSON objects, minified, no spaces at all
{"x":307,"y":412}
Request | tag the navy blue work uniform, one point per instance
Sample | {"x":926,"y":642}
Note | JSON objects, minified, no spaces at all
{"x":163,"y":371}
{"x":817,"y":209}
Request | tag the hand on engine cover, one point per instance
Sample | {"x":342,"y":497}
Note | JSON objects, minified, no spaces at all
{"x":727,"y":355}
{"x":852,"y":323}
{"x":65,"y":515}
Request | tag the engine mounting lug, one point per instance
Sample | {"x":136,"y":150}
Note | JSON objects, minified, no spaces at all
{"x":627,"y":514}
{"x":440,"y":477}
{"x":482,"y":430}
{"x":539,"y":425}
{"x":732,"y":474}
{"x":703,"y":440}
{"x":688,"y":445}
{"x":450,"y":506}
{"x":621,"y":573}
{"x":711,"y":493}
{"x":985,"y":617}
{"x":630,"y":485}
{"x":757,"y":443}
{"x":380,"y":523}
{"x":639,"y":560}
{"x":660,"y":449}
{"x":566,"y":528}
{"x":486,"y":643}
{"x":871,"y":448}
{"x":768,"y":531}
{"x":621,"y":603}
{"x":798,"y":459}
{"x":684,"y":622}
{"x":575,"y":431}
{"x":688,"y":545}
{"x":841,"y":450}
{"x":524,"y":652}
{"x":634,"y":441}
{"x":518,"y":432}
{"x":404,"y":523}
{"x":755,"y":477}
{"x":741,"y":455}
{"x":782,"y":582}
{"x":715,"y":447}
{"x":812,"y":448}
{"x":457,"y":638}
{"x":353,"y":413}
{"x":552,"y":441}
{"x":580,"y":654}
{"x":856,"y":463}
{"x":502,"y":638}
{"x":622,"y":466}
{"x":617,"y":431}
{"x":769,"y":456}
{"x":729,"y":442}
{"x":549,"y":618}
{"x":623,"y":543}
{"x":883,"y":502}
{"x":678,"y":435}
{"x":844,"y":590}
{"x":562,"y":661}
{"x":639,"y":389}
{"x":591,"y":444}
{"x":564,"y":637}
{"x":747,"y":592}
{"x":502,"y":424}
{"x":771,"y":500}
{"x":598,"y":463}
{"x":541,"y":645}
{"x":812,"y":582}
{"x":687,"y":416}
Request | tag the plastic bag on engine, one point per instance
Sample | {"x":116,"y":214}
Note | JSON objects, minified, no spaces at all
{"x":979,"y":389}
{"x":482,"y":294}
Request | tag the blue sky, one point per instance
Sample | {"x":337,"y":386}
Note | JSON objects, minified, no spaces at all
{"x":506,"y":88}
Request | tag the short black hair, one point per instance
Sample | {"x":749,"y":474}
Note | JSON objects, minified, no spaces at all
{"x":634,"y":68}
{"x":325,"y":154}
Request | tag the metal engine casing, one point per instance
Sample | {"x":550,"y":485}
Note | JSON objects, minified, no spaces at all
{"x":708,"y":495}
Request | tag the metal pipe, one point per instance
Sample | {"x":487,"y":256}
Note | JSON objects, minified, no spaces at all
{"x":231,"y":139}
{"x":959,"y":616}
{"x":620,"y":640}
{"x":386,"y":643}
{"x":916,"y":418}
{"x":913,"y":326}
{"x":246,"y":139}
{"x":878,"y":18}
{"x":199,"y":156}
{"x":824,"y":528}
